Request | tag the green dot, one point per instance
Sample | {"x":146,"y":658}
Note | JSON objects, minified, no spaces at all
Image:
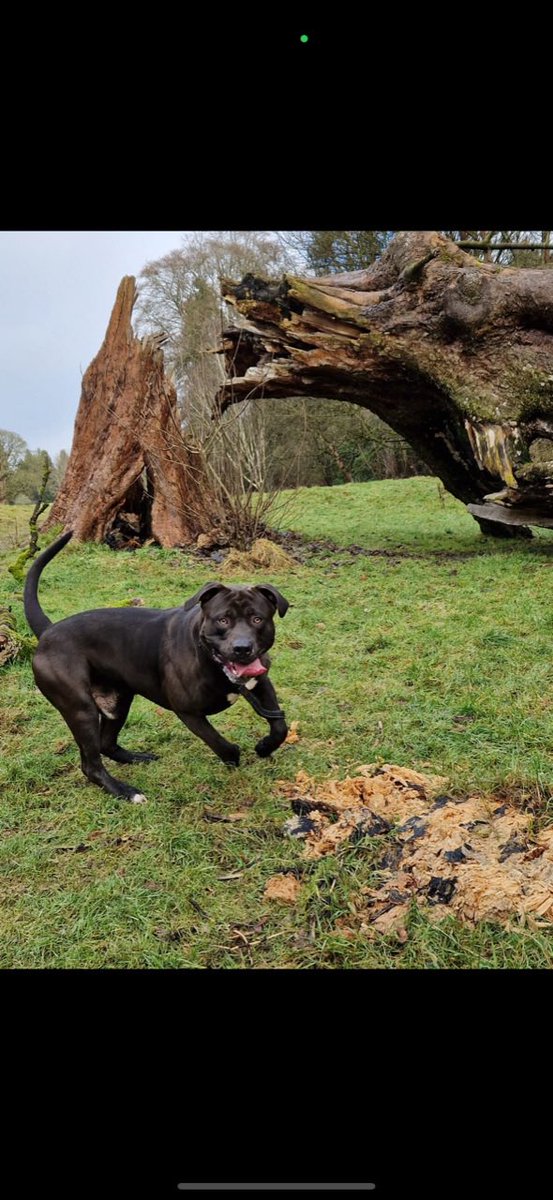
{"x":304,"y":38}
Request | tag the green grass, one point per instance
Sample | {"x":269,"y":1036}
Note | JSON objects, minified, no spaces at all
{"x":14,"y":524}
{"x":435,"y":654}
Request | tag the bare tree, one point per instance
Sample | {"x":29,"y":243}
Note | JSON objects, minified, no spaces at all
{"x":516,"y":247}
{"x":180,"y":297}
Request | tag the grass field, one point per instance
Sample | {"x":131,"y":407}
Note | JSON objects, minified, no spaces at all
{"x":14,"y":524}
{"x":433,"y":653}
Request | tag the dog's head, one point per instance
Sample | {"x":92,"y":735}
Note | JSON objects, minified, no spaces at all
{"x":237,"y":625}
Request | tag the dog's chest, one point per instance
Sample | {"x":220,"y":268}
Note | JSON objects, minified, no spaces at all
{"x":217,"y":700}
{"x":233,"y":696}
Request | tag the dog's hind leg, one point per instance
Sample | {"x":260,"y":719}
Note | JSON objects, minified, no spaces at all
{"x":84,"y":723}
{"x":80,"y":713}
{"x":112,"y":718}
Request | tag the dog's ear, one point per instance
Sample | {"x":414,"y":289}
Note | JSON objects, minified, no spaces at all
{"x":274,"y":596}
{"x":205,"y":593}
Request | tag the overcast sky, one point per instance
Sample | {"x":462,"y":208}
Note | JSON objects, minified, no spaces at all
{"x":57,"y":291}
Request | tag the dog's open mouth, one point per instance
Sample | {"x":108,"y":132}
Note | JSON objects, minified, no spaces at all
{"x":244,"y":670}
{"x":235,"y":670}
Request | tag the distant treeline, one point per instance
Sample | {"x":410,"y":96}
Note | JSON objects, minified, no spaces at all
{"x":21,"y":470}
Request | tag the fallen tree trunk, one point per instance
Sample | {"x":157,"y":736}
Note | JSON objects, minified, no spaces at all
{"x":454,"y":354}
{"x":131,"y":475}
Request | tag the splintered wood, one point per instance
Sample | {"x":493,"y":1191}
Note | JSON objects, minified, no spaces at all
{"x":456,"y":355}
{"x":473,"y":856}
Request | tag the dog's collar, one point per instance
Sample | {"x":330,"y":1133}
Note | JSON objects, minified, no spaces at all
{"x":270,"y":714}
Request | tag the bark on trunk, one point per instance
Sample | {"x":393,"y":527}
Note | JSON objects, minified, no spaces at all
{"x":454,"y":354}
{"x":130,"y":471}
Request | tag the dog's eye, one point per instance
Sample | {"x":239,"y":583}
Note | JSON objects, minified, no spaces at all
{"x":257,"y":620}
{"x":223,"y":621}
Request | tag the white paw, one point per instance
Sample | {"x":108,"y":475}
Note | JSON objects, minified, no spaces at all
{"x":250,"y":683}
{"x":138,"y":798}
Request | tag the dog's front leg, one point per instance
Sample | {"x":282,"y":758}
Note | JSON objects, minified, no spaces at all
{"x":265,"y":693}
{"x":228,"y":751}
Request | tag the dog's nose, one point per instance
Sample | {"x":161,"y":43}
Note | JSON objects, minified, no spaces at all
{"x":241,"y":646}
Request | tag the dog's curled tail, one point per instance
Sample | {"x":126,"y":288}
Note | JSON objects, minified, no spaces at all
{"x":36,"y":618}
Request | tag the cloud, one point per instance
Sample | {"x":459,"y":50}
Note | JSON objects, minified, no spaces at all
{"x":57,"y":290}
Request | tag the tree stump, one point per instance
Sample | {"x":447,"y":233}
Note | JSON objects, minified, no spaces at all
{"x":456,"y":355}
{"x":131,"y":475}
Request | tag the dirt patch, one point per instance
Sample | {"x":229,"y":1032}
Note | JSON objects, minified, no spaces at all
{"x":284,"y":888}
{"x":301,"y":549}
{"x":304,"y":548}
{"x":473,"y":856}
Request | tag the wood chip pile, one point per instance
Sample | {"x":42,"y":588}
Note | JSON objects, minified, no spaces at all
{"x":472,"y":856}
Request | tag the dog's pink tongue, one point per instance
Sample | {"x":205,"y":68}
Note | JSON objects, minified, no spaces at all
{"x":254,"y":668}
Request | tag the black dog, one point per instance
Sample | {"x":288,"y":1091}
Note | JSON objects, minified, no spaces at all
{"x":194,"y":660}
